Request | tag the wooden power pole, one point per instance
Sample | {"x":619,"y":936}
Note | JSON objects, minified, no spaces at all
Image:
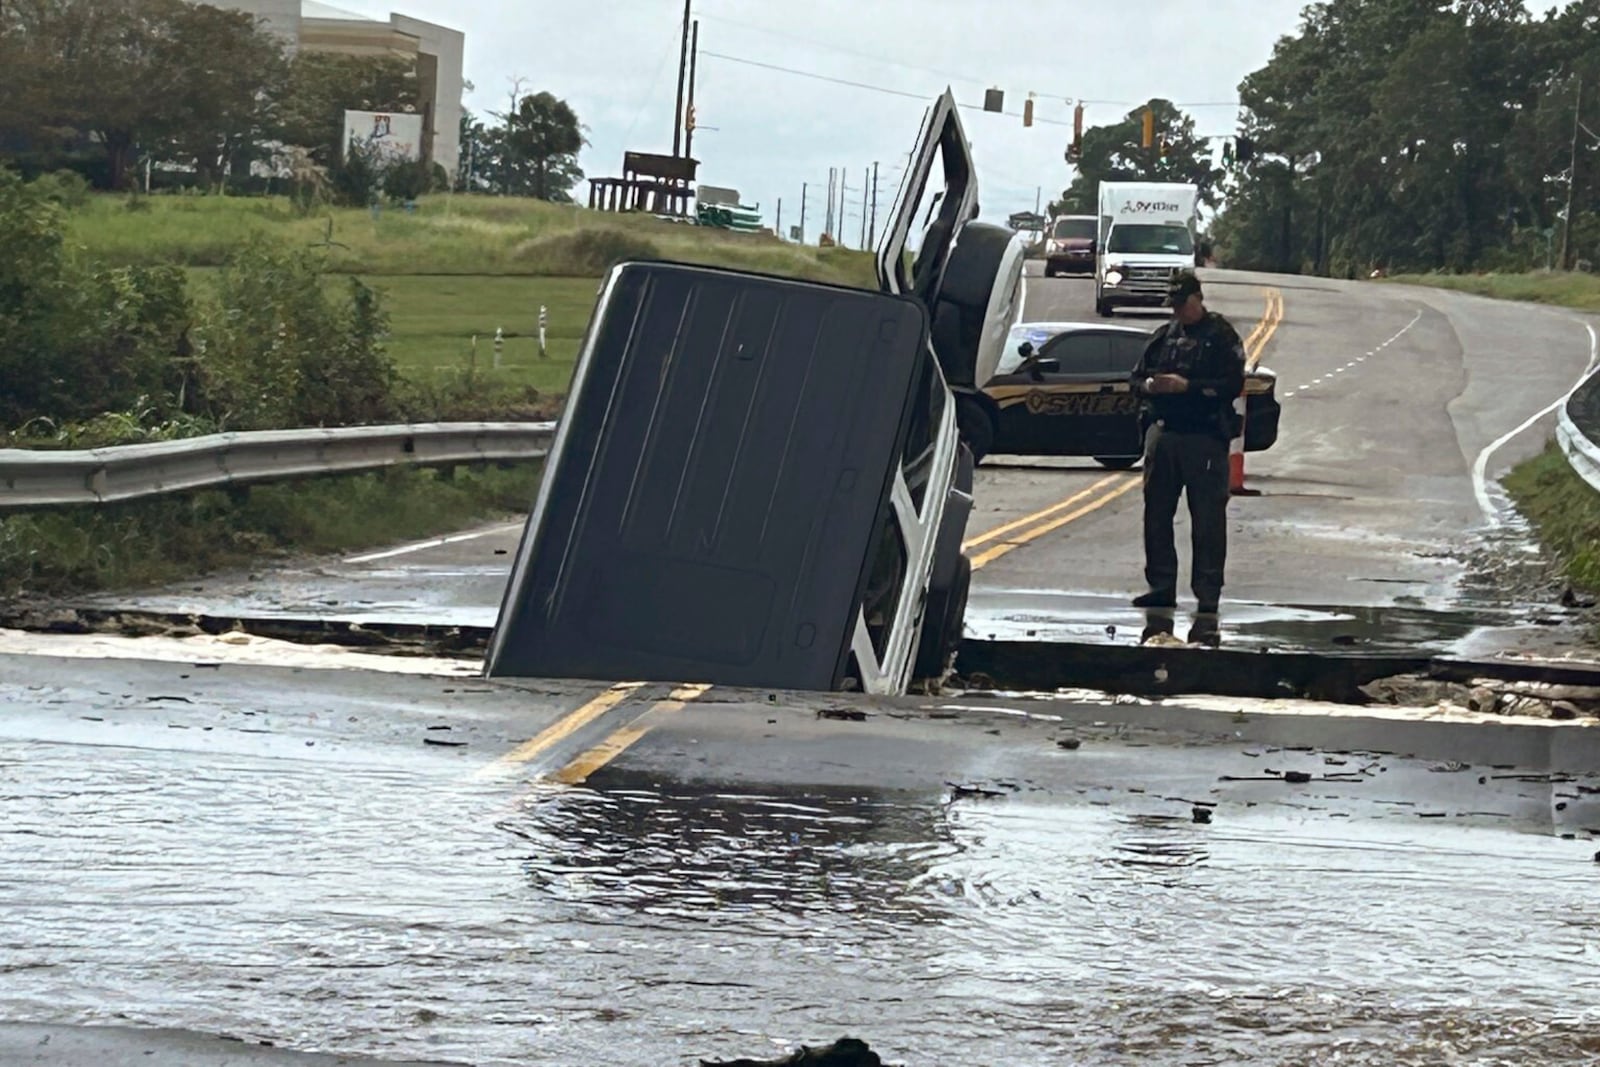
{"x":683,"y":72}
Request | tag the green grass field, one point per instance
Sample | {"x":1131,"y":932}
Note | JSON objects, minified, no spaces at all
{"x":458,"y":268}
{"x":1558,"y":288}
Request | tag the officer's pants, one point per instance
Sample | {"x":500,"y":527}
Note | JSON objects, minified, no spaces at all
{"x":1197,"y":464}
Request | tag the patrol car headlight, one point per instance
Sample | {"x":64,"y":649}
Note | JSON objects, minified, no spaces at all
{"x":1113,"y":277}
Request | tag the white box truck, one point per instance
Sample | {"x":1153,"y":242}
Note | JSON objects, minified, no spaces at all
{"x":1147,"y":231}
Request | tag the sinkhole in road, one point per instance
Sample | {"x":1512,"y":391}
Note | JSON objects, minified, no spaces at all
{"x":1343,"y":673}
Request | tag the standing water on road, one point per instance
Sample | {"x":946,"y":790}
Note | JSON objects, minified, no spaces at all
{"x":377,"y":910}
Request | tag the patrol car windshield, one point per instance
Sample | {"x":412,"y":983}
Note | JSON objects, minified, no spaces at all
{"x":1073,"y":228}
{"x":1151,"y":240}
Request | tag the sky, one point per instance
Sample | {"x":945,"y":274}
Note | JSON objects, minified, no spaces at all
{"x":772,"y":134}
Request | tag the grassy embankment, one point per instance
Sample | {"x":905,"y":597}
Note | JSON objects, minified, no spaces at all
{"x":1564,"y":510}
{"x":458,"y":267}
{"x":1571,"y":290}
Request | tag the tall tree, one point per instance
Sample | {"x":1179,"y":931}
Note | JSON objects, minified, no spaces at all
{"x":133,"y":76}
{"x":1416,"y":134}
{"x":322,"y":86}
{"x":1117,"y":153}
{"x":541,"y":146}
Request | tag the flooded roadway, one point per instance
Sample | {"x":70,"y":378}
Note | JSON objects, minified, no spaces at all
{"x":316,"y":858}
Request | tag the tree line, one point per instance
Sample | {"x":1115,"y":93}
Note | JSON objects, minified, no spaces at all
{"x":167,"y":92}
{"x":1396,"y":135}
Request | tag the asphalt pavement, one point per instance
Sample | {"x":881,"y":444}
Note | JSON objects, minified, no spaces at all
{"x":1377,"y":514}
{"x":245,"y":864}
{"x":222,"y":850}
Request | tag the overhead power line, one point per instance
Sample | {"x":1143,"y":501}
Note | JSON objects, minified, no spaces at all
{"x":863,"y":85}
{"x":887,"y":61}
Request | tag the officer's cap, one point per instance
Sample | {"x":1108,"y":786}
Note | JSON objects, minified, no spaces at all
{"x":1183,"y":285}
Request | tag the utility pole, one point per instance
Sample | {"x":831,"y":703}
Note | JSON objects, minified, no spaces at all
{"x":694,"y":55}
{"x":827,"y":221}
{"x":873,"y":233}
{"x":844,"y":187}
{"x":683,"y":70}
{"x":839,"y":215}
{"x":803,"y":186}
{"x":866,"y":189}
{"x":777,"y":226}
{"x":1572,"y":174}
{"x":1038,"y":193}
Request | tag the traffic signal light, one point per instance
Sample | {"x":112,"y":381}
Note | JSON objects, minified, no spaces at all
{"x":1149,"y":128}
{"x":994,"y":100}
{"x":1077,"y":125}
{"x":1027,"y":112}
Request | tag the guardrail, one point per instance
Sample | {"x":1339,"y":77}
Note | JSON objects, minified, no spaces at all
{"x":1581,"y":409}
{"x":32,"y":478}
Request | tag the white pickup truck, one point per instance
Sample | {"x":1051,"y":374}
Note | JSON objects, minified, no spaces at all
{"x":1147,"y":231}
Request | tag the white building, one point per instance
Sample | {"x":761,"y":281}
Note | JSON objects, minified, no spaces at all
{"x":439,"y":53}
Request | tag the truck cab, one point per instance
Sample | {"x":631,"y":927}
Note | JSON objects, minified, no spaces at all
{"x":1147,"y":232}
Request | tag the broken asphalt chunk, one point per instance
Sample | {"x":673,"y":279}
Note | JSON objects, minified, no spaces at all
{"x":847,"y":1052}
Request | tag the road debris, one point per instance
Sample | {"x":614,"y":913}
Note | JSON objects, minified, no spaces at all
{"x":1540,"y":700}
{"x":846,"y":1052}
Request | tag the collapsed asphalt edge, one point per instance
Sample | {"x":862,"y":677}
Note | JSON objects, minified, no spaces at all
{"x":1038,"y":666}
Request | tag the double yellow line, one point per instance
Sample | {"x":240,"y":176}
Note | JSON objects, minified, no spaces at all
{"x":577,"y":770}
{"x":1256,"y":343}
{"x":1013,"y":535}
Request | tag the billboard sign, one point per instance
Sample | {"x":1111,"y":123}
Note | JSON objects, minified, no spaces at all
{"x":393,"y":137}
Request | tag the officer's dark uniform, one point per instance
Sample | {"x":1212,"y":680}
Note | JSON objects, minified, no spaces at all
{"x":1186,"y":447}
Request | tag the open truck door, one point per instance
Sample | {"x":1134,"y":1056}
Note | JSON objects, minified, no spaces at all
{"x":757,"y":481}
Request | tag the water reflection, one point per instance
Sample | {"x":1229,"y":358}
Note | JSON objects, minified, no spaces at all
{"x":689,"y":854}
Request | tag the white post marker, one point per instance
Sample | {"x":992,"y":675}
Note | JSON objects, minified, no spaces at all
{"x":544,"y":320}
{"x":499,"y":343}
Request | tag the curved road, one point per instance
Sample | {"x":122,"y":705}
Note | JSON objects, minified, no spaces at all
{"x":1379,"y":523}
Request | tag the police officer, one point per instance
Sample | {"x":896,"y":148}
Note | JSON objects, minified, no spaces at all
{"x":1189,"y":375}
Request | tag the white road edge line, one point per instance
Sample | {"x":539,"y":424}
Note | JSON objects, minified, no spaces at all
{"x":437,"y":542}
{"x":1493,"y":511}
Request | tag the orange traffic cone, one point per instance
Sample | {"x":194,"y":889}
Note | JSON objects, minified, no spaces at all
{"x":1236,"y":485}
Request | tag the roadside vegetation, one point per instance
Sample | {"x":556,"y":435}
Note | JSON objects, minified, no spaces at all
{"x":1564,"y":511}
{"x":1579,"y":290}
{"x":125,"y":320}
{"x":214,"y":258}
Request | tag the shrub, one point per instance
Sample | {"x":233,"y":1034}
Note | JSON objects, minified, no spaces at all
{"x":277,"y":351}
{"x":583,"y":253}
{"x":75,"y":341}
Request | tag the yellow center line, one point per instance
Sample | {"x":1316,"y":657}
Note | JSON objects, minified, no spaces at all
{"x":1028,"y":520}
{"x":1262,"y":334}
{"x":559,"y":730}
{"x":989,"y":555}
{"x":623,"y":738}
